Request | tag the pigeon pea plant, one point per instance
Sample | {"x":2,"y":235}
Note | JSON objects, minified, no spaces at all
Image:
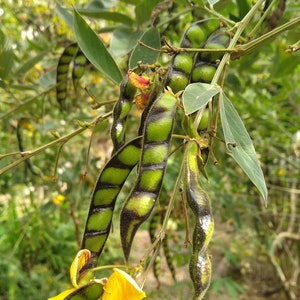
{"x":181,"y":101}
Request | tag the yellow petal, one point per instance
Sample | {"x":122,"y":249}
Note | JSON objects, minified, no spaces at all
{"x":63,"y":295}
{"x":78,"y":263}
{"x":122,"y":286}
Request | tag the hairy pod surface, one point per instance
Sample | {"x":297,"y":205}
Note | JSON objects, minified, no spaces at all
{"x":198,"y":201}
{"x":107,"y":188}
{"x":120,"y":113}
{"x":182,"y":63}
{"x":155,"y":148}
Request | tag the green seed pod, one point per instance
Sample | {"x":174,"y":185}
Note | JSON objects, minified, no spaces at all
{"x":204,"y":120}
{"x":91,"y":291}
{"x":182,"y":63}
{"x":78,"y":67}
{"x":203,"y":72}
{"x":107,"y":188}
{"x":217,"y":40}
{"x":62,"y":73}
{"x":120,"y":113}
{"x":157,"y":134}
{"x":198,"y":201}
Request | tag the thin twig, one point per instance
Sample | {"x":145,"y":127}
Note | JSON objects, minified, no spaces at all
{"x":63,"y":139}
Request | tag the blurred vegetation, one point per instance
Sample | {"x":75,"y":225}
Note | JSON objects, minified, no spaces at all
{"x":44,"y":200}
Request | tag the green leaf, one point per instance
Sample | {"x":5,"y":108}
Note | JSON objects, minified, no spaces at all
{"x":239,"y":145}
{"x":123,"y":40}
{"x":213,"y":2}
{"x":65,"y":15}
{"x":94,"y":49}
{"x":6,"y":56}
{"x":106,"y":15}
{"x":147,"y":56}
{"x":144,"y":9}
{"x":197,"y":95}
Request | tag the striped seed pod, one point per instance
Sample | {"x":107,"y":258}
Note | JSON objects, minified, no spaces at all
{"x":107,"y":188}
{"x":155,"y":147}
{"x":195,"y":36}
{"x":120,"y":113}
{"x":199,"y":203}
{"x":62,"y":72}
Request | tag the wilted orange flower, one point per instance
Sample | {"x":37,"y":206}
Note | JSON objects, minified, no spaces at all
{"x":141,"y":82}
{"x":142,"y":99}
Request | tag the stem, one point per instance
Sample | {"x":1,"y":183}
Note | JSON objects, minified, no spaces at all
{"x":249,"y":47}
{"x":109,"y":267}
{"x":162,"y":232}
{"x":240,"y":28}
{"x":62,"y":140}
{"x":20,"y":107}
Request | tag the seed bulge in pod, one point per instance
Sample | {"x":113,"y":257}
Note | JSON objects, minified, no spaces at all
{"x":203,"y":72}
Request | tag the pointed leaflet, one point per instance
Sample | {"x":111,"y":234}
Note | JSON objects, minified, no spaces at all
{"x":95,"y":51}
{"x":243,"y":151}
{"x":106,"y":15}
{"x":124,"y":40}
{"x":197,"y":95}
{"x":64,"y":14}
{"x":147,"y":56}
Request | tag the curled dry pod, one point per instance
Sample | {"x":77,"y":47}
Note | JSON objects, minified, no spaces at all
{"x":107,"y":188}
{"x":120,"y":113}
{"x":155,"y":147}
{"x":198,"y":201}
{"x":182,"y":63}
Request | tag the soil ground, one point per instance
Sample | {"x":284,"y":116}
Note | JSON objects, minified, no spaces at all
{"x":259,"y":282}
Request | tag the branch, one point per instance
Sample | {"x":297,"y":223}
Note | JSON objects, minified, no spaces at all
{"x":61,"y":140}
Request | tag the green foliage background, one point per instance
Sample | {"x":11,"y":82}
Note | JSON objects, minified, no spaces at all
{"x":39,"y":238}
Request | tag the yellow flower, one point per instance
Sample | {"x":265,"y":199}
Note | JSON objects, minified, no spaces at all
{"x":57,"y":200}
{"x":281,"y":172}
{"x":120,"y":285}
{"x":85,"y":287}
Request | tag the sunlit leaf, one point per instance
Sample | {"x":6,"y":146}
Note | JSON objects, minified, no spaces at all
{"x":147,"y":56}
{"x":197,"y":95}
{"x":120,"y":285}
{"x":239,"y":145}
{"x":64,"y":14}
{"x":106,"y":15}
{"x":94,"y":49}
{"x":213,"y":2}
